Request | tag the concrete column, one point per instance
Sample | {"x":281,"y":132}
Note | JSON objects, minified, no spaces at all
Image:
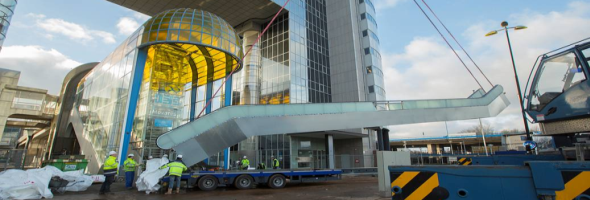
{"x":379,"y":139}
{"x":451,"y":144}
{"x":386,"y":144}
{"x":429,"y":148}
{"x":330,"y":150}
{"x":251,"y":73}
{"x":438,"y":149}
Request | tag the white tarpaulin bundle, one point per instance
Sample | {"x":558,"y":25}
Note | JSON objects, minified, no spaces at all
{"x":77,"y":180}
{"x":148,"y":180}
{"x":33,"y":183}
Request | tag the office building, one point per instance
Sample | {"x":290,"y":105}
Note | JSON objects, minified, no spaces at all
{"x":304,"y":57}
{"x":6,"y":12}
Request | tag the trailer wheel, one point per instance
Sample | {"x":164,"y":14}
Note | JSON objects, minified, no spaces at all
{"x":244,"y":182}
{"x":207,"y":183}
{"x":277,"y":181}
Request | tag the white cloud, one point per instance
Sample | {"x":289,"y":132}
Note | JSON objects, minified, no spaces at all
{"x":71,"y":30}
{"x":383,"y":4}
{"x":106,"y":36}
{"x":39,"y":67}
{"x":128,"y":25}
{"x":428,"y":69}
{"x":141,"y":17}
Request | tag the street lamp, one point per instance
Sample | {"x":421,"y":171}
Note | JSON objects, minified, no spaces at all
{"x":504,"y":24}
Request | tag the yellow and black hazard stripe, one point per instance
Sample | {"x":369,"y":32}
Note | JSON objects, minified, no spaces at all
{"x":464,"y":161}
{"x":577,"y":183}
{"x":411,"y":185}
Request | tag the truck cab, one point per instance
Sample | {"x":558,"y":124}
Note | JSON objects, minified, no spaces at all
{"x":559,"y":95}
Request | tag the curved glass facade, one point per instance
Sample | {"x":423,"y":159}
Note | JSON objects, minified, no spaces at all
{"x":216,"y":39}
{"x":159,"y":78}
{"x":193,"y":26}
{"x":6,"y":12}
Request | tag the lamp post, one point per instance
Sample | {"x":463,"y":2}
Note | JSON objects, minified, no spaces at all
{"x":504,"y":24}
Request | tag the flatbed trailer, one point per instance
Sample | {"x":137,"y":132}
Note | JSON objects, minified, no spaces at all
{"x":246,"y":179}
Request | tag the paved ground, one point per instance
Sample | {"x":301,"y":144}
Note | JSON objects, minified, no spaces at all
{"x":350,"y":187}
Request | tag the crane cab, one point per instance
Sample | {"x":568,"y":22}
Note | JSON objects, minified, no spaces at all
{"x":559,"y":96}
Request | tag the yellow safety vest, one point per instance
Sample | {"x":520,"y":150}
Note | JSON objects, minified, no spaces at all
{"x":176,"y":168}
{"x":276,"y":162}
{"x":245,"y":162}
{"x":110,"y":166}
{"x":129,"y":165}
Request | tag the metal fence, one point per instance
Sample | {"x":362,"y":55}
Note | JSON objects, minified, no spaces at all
{"x":11,"y":158}
{"x":317,"y":161}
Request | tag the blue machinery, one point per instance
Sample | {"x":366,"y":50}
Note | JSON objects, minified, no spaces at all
{"x":507,"y":159}
{"x":559,"y":95}
{"x":536,"y":180}
{"x":559,"y":100}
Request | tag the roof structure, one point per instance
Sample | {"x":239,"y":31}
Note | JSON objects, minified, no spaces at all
{"x":233,"y":11}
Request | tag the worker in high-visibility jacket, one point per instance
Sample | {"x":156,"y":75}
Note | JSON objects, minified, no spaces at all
{"x":176,"y":169}
{"x":110,"y":170}
{"x":261,"y":166}
{"x":275,"y":162}
{"x":129,"y":166}
{"x":245,"y":163}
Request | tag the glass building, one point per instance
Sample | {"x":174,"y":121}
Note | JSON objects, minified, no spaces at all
{"x":6,"y":12}
{"x":156,"y":80}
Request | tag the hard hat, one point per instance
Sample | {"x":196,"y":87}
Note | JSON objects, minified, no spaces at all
{"x":165,"y":155}
{"x":244,"y":156}
{"x":150,"y":157}
{"x":179,"y":156}
{"x":130,"y":155}
{"x":113,"y":153}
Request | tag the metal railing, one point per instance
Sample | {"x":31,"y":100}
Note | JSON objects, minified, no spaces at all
{"x":11,"y":158}
{"x":440,"y":103}
{"x":305,"y":162}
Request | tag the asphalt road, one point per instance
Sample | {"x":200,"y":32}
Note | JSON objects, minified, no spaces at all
{"x":350,"y":187}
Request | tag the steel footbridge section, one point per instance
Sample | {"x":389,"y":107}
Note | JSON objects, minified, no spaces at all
{"x":228,"y":126}
{"x":95,"y":159}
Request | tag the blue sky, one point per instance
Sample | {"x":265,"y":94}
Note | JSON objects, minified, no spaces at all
{"x":400,"y":23}
{"x":92,"y":14}
{"x":48,"y":38}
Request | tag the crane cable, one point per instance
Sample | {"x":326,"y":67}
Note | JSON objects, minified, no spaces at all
{"x":246,"y":54}
{"x":469,"y":56}
{"x":455,"y":52}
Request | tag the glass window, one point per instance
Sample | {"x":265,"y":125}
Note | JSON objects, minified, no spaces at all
{"x":374,"y":36}
{"x":305,"y":144}
{"x":201,"y":91}
{"x":371,"y":89}
{"x":369,"y":69}
{"x":369,"y":17}
{"x":586,"y":55}
{"x":28,"y":100}
{"x":555,"y":76}
{"x":367,"y":51}
{"x":365,"y":33}
{"x":216,"y":103}
{"x":370,"y":5}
